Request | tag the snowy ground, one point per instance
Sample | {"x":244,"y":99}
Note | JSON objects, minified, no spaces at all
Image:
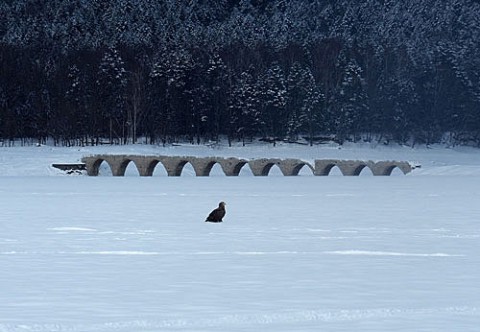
{"x":300,"y":253}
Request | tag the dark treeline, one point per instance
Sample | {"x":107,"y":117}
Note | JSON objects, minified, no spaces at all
{"x":91,"y":71}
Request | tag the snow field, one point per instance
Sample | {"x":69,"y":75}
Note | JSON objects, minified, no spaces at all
{"x":294,"y":254}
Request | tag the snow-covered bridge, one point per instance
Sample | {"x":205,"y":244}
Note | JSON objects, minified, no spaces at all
{"x":232,"y":166}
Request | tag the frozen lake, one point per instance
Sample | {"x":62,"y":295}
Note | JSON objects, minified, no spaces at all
{"x":294,"y":254}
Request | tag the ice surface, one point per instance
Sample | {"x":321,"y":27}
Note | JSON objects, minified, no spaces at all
{"x":293,"y":254}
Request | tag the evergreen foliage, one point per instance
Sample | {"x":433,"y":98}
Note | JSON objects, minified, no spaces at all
{"x":96,"y":71}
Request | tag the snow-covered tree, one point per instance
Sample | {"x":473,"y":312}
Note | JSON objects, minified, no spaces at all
{"x":111,"y":85}
{"x":79,"y":120}
{"x":244,"y":107}
{"x":273,"y":89}
{"x":300,"y":87}
{"x":350,"y":99}
{"x":217,"y":80}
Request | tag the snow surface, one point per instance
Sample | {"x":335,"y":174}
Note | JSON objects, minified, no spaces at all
{"x":303,"y":253}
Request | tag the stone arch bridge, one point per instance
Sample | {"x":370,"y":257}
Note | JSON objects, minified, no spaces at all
{"x":232,"y":166}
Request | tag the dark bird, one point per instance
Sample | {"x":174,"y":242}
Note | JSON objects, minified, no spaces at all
{"x":217,"y":214}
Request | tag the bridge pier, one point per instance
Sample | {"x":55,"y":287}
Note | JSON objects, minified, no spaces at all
{"x":261,"y":167}
{"x":351,"y":167}
{"x":324,"y":166}
{"x":148,"y":166}
{"x":174,"y":165}
{"x":202,"y":166}
{"x":291,"y":167}
{"x":232,"y":166}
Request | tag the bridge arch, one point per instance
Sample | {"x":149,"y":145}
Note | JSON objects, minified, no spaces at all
{"x":174,"y":165}
{"x":152,"y":165}
{"x":275,"y":170}
{"x":181,"y":168}
{"x":208,"y":167}
{"x":237,"y":168}
{"x":292,"y":167}
{"x":303,"y":170}
{"x":324,"y":167}
{"x":358,"y":169}
{"x":216,"y":169}
{"x":122,"y":167}
{"x":94,"y":168}
{"x":334,"y":170}
{"x":386,"y":168}
{"x":355,"y":171}
{"x":244,"y":169}
{"x":393,"y":171}
{"x":366,"y":171}
{"x":350,"y":168}
{"x":98,"y":164}
{"x":266,"y":169}
{"x":261,"y":167}
{"x":132,"y":169}
{"x":203,"y":166}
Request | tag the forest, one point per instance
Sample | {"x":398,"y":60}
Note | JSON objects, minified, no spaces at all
{"x":87,"y":72}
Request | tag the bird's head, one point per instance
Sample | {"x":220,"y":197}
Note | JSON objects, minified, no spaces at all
{"x":222,"y":204}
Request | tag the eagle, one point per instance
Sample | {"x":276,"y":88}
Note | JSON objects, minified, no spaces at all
{"x":217,"y":214}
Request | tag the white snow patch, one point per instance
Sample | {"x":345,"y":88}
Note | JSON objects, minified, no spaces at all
{"x":72,"y":229}
{"x":283,"y":319}
{"x":386,"y":253}
{"x":119,"y":253}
